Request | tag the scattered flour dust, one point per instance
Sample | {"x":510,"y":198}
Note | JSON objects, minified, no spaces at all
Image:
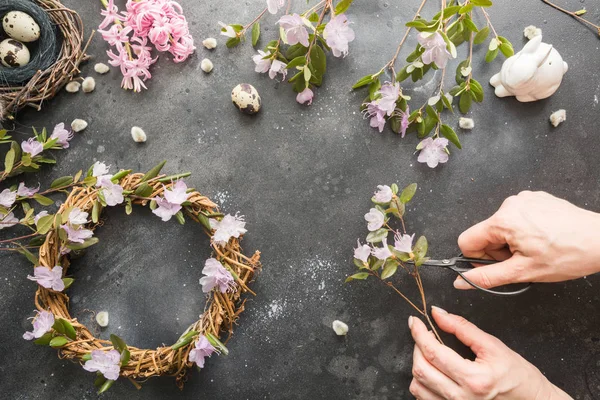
{"x":223,"y":197}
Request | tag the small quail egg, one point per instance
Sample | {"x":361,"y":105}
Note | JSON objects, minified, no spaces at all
{"x":21,"y":26}
{"x":13,"y":53}
{"x":246,"y":98}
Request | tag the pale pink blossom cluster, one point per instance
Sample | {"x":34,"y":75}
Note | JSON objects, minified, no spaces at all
{"x":202,"y":349}
{"x":216,"y":276}
{"x":158,"y":22}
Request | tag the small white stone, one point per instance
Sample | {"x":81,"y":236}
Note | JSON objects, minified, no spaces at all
{"x":101,"y":68}
{"x":102,"y":318}
{"x":531,"y":31}
{"x":206,"y":65}
{"x":73,"y":87}
{"x":88,"y":85}
{"x":78,"y":125}
{"x":210,"y":43}
{"x":558,"y":117}
{"x":466,"y":123}
{"x":138,"y":134}
{"x":340,"y":328}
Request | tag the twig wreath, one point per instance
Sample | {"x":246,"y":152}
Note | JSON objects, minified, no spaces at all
{"x":69,"y":230}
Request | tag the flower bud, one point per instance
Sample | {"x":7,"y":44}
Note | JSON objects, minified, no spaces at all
{"x":88,"y":85}
{"x":466,"y":123}
{"x":138,"y":134}
{"x":340,"y":328}
{"x":206,"y":65}
{"x":101,"y":68}
{"x":78,"y":125}
{"x":73,"y":87}
{"x":210,"y":43}
{"x":102,"y":319}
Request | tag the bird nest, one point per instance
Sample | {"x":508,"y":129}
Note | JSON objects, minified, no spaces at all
{"x":54,"y":62}
{"x":221,"y":310}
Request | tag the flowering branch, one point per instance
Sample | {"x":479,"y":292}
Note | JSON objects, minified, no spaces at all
{"x":576,"y":15}
{"x":437,"y":42}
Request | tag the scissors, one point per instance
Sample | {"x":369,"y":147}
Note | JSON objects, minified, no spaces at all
{"x":452,"y":263}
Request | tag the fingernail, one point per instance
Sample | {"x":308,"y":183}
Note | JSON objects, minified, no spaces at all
{"x":410,"y":322}
{"x":461,"y":284}
{"x":440,"y":310}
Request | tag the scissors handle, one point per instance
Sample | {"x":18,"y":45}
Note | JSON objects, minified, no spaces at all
{"x":490,"y":291}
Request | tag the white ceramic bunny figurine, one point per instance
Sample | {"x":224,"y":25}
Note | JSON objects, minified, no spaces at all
{"x":534,"y":73}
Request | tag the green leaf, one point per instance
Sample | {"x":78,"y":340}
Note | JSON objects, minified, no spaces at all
{"x":417,"y":24}
{"x":86,"y":357}
{"x":118,"y":343}
{"x":80,"y":246}
{"x":58,"y":341}
{"x":105,"y":386}
{"x":61,"y":182}
{"x":120,"y":175}
{"x":506,"y":47}
{"x":9,"y":161}
{"x":314,"y":17}
{"x":342,"y":6}
{"x":358,"y":263}
{"x":77,"y":176}
{"x":477,"y":90}
{"x":464,"y":104}
{"x":301,"y":60}
{"x":68,"y":282}
{"x":204,"y":221}
{"x":44,"y":224}
{"x":364,"y":81}
{"x":491,"y":55}
{"x":394,"y":188}
{"x":389,"y":268}
{"x":255,"y":33}
{"x":466,"y":9}
{"x":373,"y":88}
{"x":212,"y":339}
{"x":295,"y":50}
{"x":100,"y":379}
{"x":29,"y":255}
{"x":420,"y":248}
{"x":451,"y":10}
{"x":377,"y":236}
{"x":470,"y":25}
{"x":184,"y":340}
{"x":481,"y":35}
{"x":232,"y":42}
{"x":318,"y":61}
{"x":481,"y":3}
{"x":180,"y":217}
{"x":376,"y":263}
{"x":44,"y":340}
{"x":408,"y":193}
{"x":359,"y":276}
{"x":96,"y":211}
{"x":64,"y":327}
{"x":153,"y":173}
{"x":125,"y":356}
{"x":402,"y":74}
{"x":449,"y":134}
{"x":43,"y":200}
{"x":144,"y":190}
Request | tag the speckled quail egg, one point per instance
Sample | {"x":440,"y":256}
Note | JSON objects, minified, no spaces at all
{"x":13,"y":53}
{"x":21,"y":26}
{"x":246,"y":98}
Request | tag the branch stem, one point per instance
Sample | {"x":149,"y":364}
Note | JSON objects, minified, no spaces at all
{"x":572,"y":14}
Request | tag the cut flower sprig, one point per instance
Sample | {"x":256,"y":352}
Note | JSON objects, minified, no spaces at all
{"x":438,"y":39}
{"x":384,"y":262}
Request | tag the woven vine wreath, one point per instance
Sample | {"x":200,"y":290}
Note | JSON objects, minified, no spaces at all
{"x":69,"y":230}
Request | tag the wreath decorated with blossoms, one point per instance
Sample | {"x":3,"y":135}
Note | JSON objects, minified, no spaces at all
{"x":71,"y":229}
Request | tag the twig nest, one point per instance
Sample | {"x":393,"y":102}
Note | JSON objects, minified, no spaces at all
{"x":78,"y":125}
{"x":14,"y":54}
{"x":340,"y":328}
{"x":73,"y":87}
{"x":466,"y":123}
{"x":19,"y":25}
{"x":210,"y":43}
{"x":206,"y":65}
{"x":102,"y":319}
{"x":138,"y":134}
{"x":101,"y":68}
{"x":88,"y":85}
{"x":246,"y":98}
{"x":558,"y":117}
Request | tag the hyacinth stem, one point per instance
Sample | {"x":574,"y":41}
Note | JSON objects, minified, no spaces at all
{"x":572,"y":14}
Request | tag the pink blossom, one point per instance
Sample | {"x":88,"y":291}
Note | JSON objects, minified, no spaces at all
{"x":177,"y":194}
{"x":107,"y":363}
{"x":38,"y":216}
{"x":216,"y":275}
{"x":8,"y":220}
{"x":202,"y":349}
{"x":377,"y":115}
{"x":165,"y":210}
{"x":278,"y":67}
{"x":362,"y":252}
{"x":119,"y":59}
{"x":262,"y":64}
{"x":160,"y":33}
{"x":375,"y":219}
{"x":42,"y":323}
{"x":112,"y":192}
{"x":142,"y":14}
{"x":116,"y":34}
{"x":403,"y":119}
{"x":78,"y":217}
{"x":7,"y":198}
{"x":295,"y":31}
{"x":337,"y":34}
{"x":50,"y":278}
{"x":110,"y":14}
{"x":24,"y":191}
{"x":384,"y":194}
{"x":305,"y":97}
{"x":140,"y":48}
{"x":32,"y":146}
{"x":435,"y":49}
{"x":275,"y":5}
{"x":382,"y":253}
{"x":63,"y":135}
{"x":77,"y":235}
{"x":433,"y":151}
{"x":403,"y":243}
{"x":182,"y":49}
{"x":100,"y":169}
{"x":227,"y":30}
{"x":228,"y":227}
{"x":389,"y":96}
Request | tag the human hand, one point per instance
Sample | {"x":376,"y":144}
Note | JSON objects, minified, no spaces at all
{"x":497,"y":372}
{"x":538,"y":238}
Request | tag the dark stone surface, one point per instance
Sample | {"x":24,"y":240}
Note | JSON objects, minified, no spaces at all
{"x":303,"y":178}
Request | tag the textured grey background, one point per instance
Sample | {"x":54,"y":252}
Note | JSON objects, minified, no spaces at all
{"x":303,"y":178}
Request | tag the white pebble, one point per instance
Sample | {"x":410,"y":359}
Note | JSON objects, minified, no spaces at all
{"x":557,"y":117}
{"x":210,"y":43}
{"x":531,"y":31}
{"x":138,"y":134}
{"x":340,"y":328}
{"x":206,"y":65}
{"x":73,"y":87}
{"x":88,"y":85}
{"x":101,"y":68}
{"x":102,"y":318}
{"x":466,"y":123}
{"x":78,"y":125}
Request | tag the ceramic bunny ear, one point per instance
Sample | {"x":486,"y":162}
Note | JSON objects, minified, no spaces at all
{"x":532,"y":45}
